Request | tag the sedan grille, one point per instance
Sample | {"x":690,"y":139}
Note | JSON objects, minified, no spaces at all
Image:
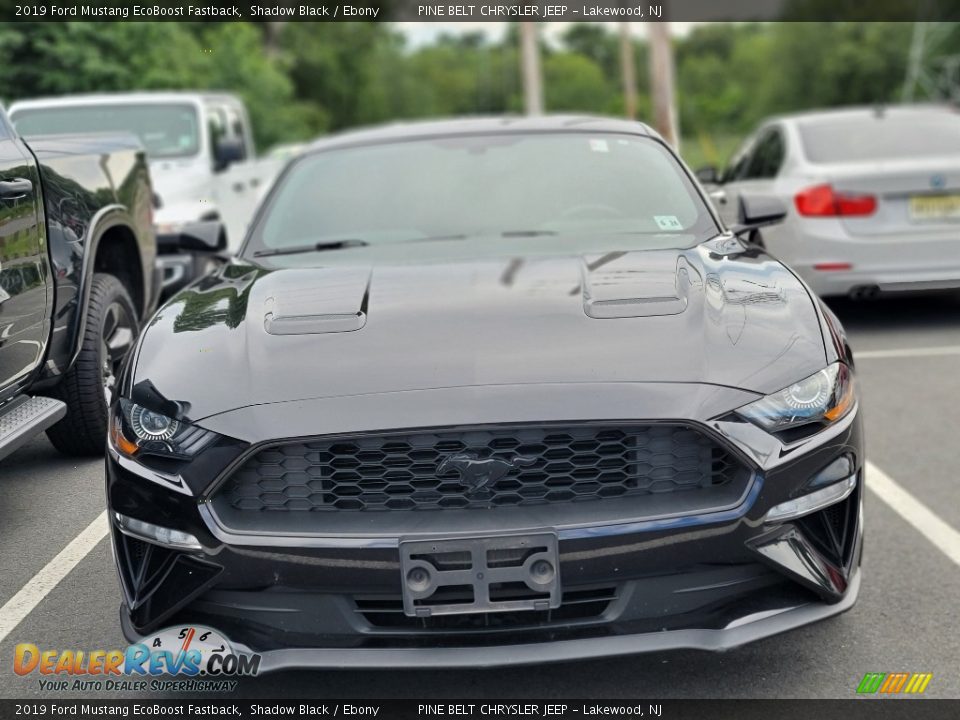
{"x":478,"y":468}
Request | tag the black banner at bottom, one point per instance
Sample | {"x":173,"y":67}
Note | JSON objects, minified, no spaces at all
{"x":853,"y":709}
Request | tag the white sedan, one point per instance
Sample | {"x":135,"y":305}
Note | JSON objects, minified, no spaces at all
{"x":873,"y":196}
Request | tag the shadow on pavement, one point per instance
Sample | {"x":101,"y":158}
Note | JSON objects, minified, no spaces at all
{"x":929,"y":311}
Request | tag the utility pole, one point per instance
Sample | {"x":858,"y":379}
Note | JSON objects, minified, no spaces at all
{"x":914,"y":61}
{"x":530,"y":69}
{"x":272,"y":32}
{"x":662,"y":84}
{"x":628,"y":70}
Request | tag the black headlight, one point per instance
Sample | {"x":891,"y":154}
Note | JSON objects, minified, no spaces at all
{"x":137,"y":431}
{"x":821,"y":399}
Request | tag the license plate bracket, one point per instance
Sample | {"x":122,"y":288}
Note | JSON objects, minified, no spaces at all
{"x":459,"y":576}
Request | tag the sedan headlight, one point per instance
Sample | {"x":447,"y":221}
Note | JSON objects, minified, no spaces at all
{"x":137,"y":430}
{"x":824,"y":397}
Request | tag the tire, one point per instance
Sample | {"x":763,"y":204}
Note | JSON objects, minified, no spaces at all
{"x":110,"y":330}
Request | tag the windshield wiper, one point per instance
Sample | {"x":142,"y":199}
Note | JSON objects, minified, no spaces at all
{"x":526,"y":233}
{"x":316,"y":247}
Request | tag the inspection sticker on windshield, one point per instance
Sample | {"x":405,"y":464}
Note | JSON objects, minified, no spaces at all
{"x":598,"y":145}
{"x":667,"y":222}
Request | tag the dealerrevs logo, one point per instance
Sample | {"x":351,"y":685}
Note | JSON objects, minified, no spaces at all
{"x":189,"y":651}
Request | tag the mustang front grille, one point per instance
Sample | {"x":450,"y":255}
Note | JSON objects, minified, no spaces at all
{"x":478,"y":468}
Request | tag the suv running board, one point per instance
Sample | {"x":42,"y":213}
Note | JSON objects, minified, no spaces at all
{"x":23,"y":417}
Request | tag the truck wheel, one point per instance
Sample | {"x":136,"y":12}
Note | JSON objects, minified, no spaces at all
{"x":109,"y":333}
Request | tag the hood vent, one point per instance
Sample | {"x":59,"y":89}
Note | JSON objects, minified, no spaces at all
{"x":330,"y":300}
{"x":636,"y":284}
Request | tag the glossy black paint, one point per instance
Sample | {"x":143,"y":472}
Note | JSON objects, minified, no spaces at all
{"x":485,"y":332}
{"x":738,"y":320}
{"x":26,"y":288}
{"x":80,"y":191}
{"x":91,"y":187}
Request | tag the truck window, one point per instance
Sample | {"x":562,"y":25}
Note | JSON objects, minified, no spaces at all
{"x":166,"y":131}
{"x":216,"y":126}
{"x":236,"y":130}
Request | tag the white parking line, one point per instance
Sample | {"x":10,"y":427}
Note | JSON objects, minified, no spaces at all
{"x":40,"y":585}
{"x":922,"y":518}
{"x":907,"y":352}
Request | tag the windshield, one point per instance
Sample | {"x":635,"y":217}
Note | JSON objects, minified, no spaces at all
{"x":166,"y":131}
{"x":472,"y":186}
{"x":881,"y":137}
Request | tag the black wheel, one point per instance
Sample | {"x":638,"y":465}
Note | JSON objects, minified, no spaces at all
{"x":109,"y":333}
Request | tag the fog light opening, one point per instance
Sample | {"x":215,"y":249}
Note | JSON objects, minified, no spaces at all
{"x":812,"y":502}
{"x":168,"y":537}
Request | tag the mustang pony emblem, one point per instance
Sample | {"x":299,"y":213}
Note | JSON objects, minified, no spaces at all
{"x":477,"y":474}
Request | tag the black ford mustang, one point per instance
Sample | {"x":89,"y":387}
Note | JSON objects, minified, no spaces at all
{"x":488,"y":391}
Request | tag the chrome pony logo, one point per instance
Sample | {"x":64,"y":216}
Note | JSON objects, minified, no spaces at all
{"x":478,"y":474}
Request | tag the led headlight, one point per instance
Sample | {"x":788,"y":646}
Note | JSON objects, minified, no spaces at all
{"x":824,"y":397}
{"x":137,"y":430}
{"x":148,"y":425}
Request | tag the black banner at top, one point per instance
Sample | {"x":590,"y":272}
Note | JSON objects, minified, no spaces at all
{"x":474,"y":11}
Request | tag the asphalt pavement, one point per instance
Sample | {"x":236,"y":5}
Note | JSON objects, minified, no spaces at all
{"x":907,"y":618}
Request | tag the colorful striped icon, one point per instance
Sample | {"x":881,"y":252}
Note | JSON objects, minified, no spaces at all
{"x":894,"y":683}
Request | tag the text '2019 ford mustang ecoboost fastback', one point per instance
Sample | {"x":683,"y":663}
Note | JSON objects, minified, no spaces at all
{"x":488,"y":391}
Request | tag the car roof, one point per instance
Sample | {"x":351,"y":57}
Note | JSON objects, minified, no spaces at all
{"x":480,"y":126}
{"x":125,"y":97}
{"x":865,"y":112}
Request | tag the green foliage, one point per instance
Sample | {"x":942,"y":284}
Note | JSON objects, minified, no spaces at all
{"x":57,"y":58}
{"x":303,"y":79}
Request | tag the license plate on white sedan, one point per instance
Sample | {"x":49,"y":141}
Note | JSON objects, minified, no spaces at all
{"x":935,"y":207}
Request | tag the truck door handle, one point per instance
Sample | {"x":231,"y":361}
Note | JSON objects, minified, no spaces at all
{"x":16,"y":188}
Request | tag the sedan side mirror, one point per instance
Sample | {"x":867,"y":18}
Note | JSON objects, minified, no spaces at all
{"x":757,"y":211}
{"x":209,"y":236}
{"x":708,"y":175}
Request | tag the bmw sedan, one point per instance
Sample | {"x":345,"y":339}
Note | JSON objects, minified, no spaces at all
{"x":483,"y":392}
{"x":873,"y":196}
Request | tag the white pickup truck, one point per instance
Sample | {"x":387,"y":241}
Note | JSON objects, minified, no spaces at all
{"x":199,"y":147}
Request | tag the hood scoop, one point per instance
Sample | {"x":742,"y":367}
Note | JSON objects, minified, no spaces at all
{"x":636,"y":284}
{"x":324,"y":300}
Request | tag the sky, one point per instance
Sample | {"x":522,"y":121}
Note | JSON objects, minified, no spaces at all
{"x":424,"y":33}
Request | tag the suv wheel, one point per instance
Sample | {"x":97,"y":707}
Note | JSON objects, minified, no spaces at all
{"x":109,"y":333}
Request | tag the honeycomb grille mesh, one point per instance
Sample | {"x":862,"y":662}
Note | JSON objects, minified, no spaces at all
{"x":480,"y":468}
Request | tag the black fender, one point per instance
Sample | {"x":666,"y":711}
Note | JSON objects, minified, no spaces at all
{"x":105,"y":219}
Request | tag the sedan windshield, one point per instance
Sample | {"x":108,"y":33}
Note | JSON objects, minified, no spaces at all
{"x":166,"y":131}
{"x":502,"y":185}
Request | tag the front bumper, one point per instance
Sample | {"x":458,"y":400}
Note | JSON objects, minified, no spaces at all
{"x":739,"y":632}
{"x":709,"y":580}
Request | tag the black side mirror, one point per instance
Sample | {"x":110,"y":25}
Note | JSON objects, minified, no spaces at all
{"x":207,"y":236}
{"x":226,"y":152}
{"x":708,"y":175}
{"x":757,"y":211}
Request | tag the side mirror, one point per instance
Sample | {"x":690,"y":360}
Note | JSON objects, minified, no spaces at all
{"x":757,"y":211}
{"x":708,"y":175}
{"x":226,"y":152}
{"x":209,"y":236}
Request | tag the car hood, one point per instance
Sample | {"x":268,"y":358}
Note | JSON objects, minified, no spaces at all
{"x":366,"y":323}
